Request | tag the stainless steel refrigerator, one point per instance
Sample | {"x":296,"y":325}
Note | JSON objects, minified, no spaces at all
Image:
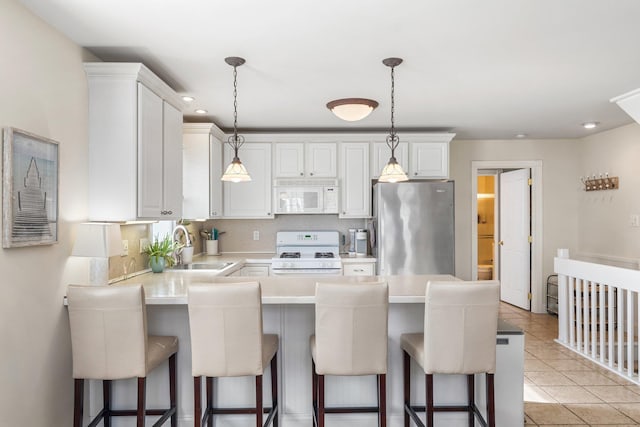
{"x":413,"y":226}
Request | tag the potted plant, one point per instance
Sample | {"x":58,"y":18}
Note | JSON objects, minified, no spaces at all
{"x":161,"y":253}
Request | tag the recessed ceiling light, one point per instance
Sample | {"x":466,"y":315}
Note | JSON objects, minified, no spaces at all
{"x":590,"y":125}
{"x":188,"y":98}
{"x":521,"y":135}
{"x":200,"y":111}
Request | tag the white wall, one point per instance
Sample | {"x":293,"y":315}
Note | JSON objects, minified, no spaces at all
{"x":43,"y":89}
{"x":560,"y":187}
{"x":605,"y":230}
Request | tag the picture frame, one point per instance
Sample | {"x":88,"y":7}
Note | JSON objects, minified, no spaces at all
{"x":30,"y":175}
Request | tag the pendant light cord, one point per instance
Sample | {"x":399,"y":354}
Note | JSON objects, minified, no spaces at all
{"x":235,"y":140}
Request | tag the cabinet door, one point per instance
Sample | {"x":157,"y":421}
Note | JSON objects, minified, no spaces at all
{"x":429,"y":160}
{"x":355,"y":182}
{"x":321,"y":159}
{"x":289,"y":160}
{"x":150,"y":177}
{"x":172,"y":163}
{"x":250,"y":199}
{"x":195,"y":161}
{"x":215,"y":173}
{"x":382,"y":153}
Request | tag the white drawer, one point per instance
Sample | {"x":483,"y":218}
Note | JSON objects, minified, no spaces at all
{"x":351,"y":269}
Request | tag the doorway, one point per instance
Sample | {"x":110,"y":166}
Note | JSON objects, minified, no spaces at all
{"x":529,"y":265}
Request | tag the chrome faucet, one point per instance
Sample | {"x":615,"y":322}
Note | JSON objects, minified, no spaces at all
{"x":177,"y":254}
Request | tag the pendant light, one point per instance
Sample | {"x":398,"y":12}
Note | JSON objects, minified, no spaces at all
{"x":352,"y":109}
{"x":235,"y":172}
{"x":392,"y":172}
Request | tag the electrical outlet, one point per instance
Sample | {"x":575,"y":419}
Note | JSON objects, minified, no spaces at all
{"x":256,"y":235}
{"x":125,"y":248}
{"x":143,"y":244}
{"x":634,"y":220}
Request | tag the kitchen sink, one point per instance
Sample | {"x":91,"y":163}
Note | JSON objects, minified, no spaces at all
{"x":202,"y":266}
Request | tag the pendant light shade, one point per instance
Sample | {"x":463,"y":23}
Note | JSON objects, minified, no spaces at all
{"x":235,"y":172}
{"x":352,"y":109}
{"x":392,"y":172}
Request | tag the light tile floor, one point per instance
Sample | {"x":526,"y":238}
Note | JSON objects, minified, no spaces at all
{"x":562,"y":388}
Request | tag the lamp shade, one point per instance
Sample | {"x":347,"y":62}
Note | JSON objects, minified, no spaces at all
{"x":393,"y":172}
{"x":236,"y":172}
{"x":98,"y":240}
{"x":352,"y":109}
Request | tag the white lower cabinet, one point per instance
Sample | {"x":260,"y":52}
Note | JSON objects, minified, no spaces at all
{"x":355,"y":183}
{"x":359,"y":269}
{"x":249,"y":199}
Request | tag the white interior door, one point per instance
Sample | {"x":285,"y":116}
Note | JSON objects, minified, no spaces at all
{"x":514,"y":245}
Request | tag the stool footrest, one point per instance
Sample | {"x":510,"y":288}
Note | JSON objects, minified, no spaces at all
{"x":349,"y":409}
{"x":222,"y":411}
{"x":412,"y":411}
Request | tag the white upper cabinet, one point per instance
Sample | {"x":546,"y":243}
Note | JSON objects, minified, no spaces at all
{"x":355,"y":182}
{"x":429,"y":160}
{"x":305,"y":159}
{"x":250,"y":199}
{"x":381,"y":154}
{"x":135,"y":144}
{"x":202,"y":169}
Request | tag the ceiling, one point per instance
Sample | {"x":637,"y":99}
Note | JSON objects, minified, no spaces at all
{"x":482,"y":69}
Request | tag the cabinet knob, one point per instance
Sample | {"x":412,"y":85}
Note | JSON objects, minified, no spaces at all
{"x":301,"y":174}
{"x":415,"y":173}
{"x":170,"y":212}
{"x":311,"y":174}
{"x":501,"y":242}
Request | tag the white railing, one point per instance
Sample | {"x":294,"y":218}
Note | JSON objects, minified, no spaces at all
{"x":598,"y":313}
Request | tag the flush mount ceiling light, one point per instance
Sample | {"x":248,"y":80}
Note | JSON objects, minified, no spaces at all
{"x":590,"y":125}
{"x":187,"y":98}
{"x":352,"y":109}
{"x":236,"y":172}
{"x":201,"y":111}
{"x":392,"y":172}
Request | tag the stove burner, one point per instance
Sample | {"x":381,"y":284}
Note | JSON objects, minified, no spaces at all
{"x":290,"y":255}
{"x":323,"y":255}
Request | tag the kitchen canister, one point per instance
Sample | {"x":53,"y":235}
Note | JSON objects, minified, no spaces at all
{"x":211,"y":247}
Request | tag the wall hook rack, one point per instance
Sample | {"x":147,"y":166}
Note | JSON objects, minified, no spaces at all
{"x":606,"y":182}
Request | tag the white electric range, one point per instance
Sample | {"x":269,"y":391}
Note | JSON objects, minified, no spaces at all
{"x":307,"y":252}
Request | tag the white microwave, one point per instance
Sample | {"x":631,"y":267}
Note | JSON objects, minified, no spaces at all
{"x":300,"y":196}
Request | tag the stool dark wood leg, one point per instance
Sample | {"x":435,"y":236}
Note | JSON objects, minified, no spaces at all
{"x":209,"y":409}
{"x":491,"y":404}
{"x":78,"y":401}
{"x":382,"y":400}
{"x":106,"y":402}
{"x":142,"y":390}
{"x":172,"y":390}
{"x":471,"y":386}
{"x":406,"y":374}
{"x":320,"y":400}
{"x":429,"y":397}
{"x":258,"y":400}
{"x":274,"y":388}
{"x":314,"y":392}
{"x":197,"y":401}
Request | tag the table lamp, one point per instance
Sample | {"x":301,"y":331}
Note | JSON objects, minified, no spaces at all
{"x":99,"y":241}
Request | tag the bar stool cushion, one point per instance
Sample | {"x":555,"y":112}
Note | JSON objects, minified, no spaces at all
{"x":351,"y":329}
{"x":226,"y":330}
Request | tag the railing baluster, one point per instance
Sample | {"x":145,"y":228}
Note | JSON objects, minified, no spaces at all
{"x":579,"y":314}
{"x":570,"y":307}
{"x":603,"y":319}
{"x":563,"y":325}
{"x":595,"y":289}
{"x":620,"y":331}
{"x":630,"y":321}
{"x":611,"y":323}
{"x":586,"y":290}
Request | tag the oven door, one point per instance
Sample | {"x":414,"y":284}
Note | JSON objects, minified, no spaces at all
{"x":306,"y":272}
{"x":291,"y":200}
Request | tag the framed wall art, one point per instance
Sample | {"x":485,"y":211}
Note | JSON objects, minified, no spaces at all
{"x":29,"y":189}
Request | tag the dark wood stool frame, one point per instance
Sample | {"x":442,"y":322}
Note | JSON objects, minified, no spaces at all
{"x":429,"y":409}
{"x":106,"y":413}
{"x":258,"y":410}
{"x":319,"y":408}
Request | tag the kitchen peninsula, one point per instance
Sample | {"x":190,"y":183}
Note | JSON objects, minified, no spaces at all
{"x":289,"y":312}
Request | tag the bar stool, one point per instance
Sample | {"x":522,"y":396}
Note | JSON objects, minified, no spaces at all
{"x":460,"y":327}
{"x":350,"y":339}
{"x":225,"y":320}
{"x":109,"y":341}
